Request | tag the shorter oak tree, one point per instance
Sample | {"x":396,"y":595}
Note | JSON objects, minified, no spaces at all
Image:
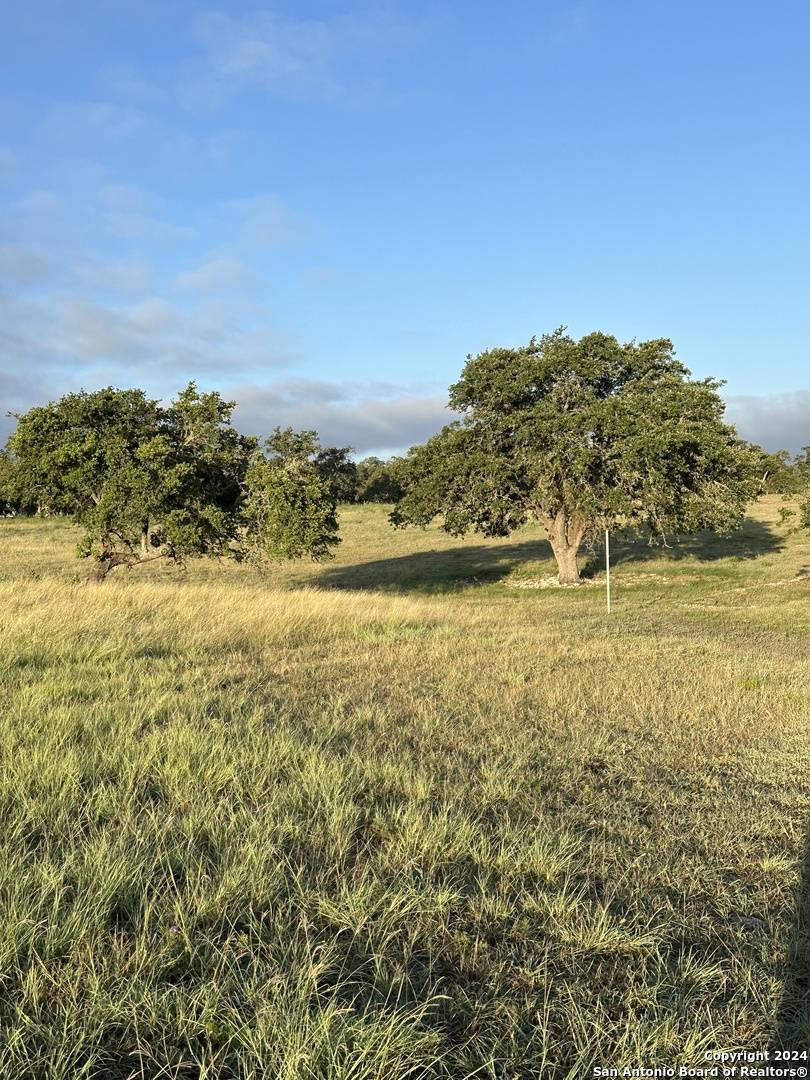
{"x":290,"y":501}
{"x":582,"y":436}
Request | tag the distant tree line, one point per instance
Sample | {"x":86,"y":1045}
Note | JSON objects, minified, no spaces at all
{"x":789,"y":477}
{"x":783,"y":474}
{"x":370,"y":480}
{"x":581,"y":436}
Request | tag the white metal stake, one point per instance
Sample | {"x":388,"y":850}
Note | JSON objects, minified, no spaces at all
{"x":607,"y":566}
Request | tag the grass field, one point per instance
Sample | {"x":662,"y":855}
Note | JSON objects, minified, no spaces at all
{"x":394,"y":817}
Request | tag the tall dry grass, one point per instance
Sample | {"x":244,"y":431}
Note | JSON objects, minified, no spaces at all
{"x":394,"y":818}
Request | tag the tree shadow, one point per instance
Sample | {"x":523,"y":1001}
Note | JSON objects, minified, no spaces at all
{"x":450,"y":569}
{"x":751,"y":541}
{"x":792,"y":1029}
{"x":435,"y":571}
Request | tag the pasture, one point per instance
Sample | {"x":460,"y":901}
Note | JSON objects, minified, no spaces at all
{"x":403,"y":814}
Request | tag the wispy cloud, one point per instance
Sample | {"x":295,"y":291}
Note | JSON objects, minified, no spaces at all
{"x":128,"y":83}
{"x":22,"y":265}
{"x":88,"y":298}
{"x":124,"y":277}
{"x":265,"y":221}
{"x":8,"y":162}
{"x":217,"y":276}
{"x":322,"y":277}
{"x":77,"y":122}
{"x":315,"y":57}
{"x":156,"y":336}
{"x":129,"y":214}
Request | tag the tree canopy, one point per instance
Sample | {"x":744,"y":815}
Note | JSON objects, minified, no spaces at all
{"x":290,"y":506}
{"x":148,"y":482}
{"x":144,"y":482}
{"x":14,"y":496}
{"x":335,"y":465}
{"x":581,"y":436}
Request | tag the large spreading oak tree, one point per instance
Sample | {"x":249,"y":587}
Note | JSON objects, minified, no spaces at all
{"x":582,"y":436}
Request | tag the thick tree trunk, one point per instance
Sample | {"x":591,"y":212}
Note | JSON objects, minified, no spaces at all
{"x":567,"y":569}
{"x":145,"y":540}
{"x":565,"y":535}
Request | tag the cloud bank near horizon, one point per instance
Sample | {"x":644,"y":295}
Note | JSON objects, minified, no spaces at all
{"x":392,"y":419}
{"x":774,"y":421}
{"x":385,"y":418}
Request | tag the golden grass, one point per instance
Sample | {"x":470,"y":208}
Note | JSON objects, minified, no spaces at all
{"x":391,"y":817}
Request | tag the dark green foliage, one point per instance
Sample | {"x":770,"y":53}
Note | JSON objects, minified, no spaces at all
{"x":290,"y":505}
{"x":583,"y":436}
{"x":801,"y":469}
{"x":15,"y":496}
{"x":144,"y":482}
{"x":7,"y":501}
{"x":337,"y":468}
{"x":377,"y":480}
{"x":147,"y":482}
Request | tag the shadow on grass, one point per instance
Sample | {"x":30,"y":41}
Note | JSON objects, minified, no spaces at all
{"x":753,"y":540}
{"x":793,"y":1019}
{"x":450,"y":569}
{"x":436,"y":571}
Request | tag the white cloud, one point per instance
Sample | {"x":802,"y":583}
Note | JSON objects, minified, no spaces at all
{"x":322,"y":277}
{"x":46,"y":219}
{"x":82,"y":299}
{"x":41,"y":204}
{"x":128,"y":198}
{"x":132,"y":226}
{"x":127,"y":277}
{"x":216,"y":275}
{"x":368,"y":417}
{"x":224,"y":146}
{"x":774,"y":421}
{"x":89,"y":330}
{"x":267,"y":48}
{"x":156,"y":335}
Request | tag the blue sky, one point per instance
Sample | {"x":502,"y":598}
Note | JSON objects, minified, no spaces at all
{"x":320,"y":209}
